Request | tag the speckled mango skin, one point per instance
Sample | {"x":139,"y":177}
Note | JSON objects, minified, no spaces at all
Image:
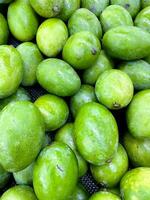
{"x":136,"y":184}
{"x":138,"y":115}
{"x":55,"y":173}
{"x":104,"y":196}
{"x":22,"y":135}
{"x":64,"y":82}
{"x":79,"y":194}
{"x":11,"y":71}
{"x":65,"y":135}
{"x":19,"y":192}
{"x":145,"y":3}
{"x":115,"y":15}
{"x":4,"y":177}
{"x":127,"y":43}
{"x":4,"y":31}
{"x":110,"y":174}
{"x":96,"y":133}
{"x":22,"y":20}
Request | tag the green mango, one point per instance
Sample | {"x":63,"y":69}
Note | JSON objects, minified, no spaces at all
{"x":110,"y":174}
{"x":142,"y":20}
{"x":114,"y":89}
{"x":22,"y":20}
{"x":31,"y":57}
{"x":4,"y":177}
{"x":81,"y":50}
{"x":138,"y":115}
{"x":11,"y":70}
{"x":22,"y":132}
{"x":5,"y":1}
{"x":115,"y":15}
{"x":84,"y":95}
{"x":95,"y":6}
{"x":51,"y":36}
{"x":96,"y":133}
{"x":47,"y":8}
{"x":69,"y":7}
{"x":103,"y":63}
{"x":65,"y":135}
{"x":124,"y":42}
{"x":84,"y":20}
{"x":64,"y":82}
{"x":139,"y":72}
{"x":19,"y":192}
{"x":145,"y":3}
{"x":104,"y":196}
{"x":79,"y":193}
{"x":132,"y":6}
{"x":4,"y":31}
{"x":136,"y":184}
{"x":138,"y":150}
{"x":54,"y":111}
{"x":55,"y":172}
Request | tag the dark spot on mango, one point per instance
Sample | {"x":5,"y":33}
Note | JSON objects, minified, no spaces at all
{"x":94,"y":51}
{"x":127,"y":5}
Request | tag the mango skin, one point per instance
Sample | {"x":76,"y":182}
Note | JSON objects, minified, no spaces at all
{"x":65,"y":135}
{"x":22,"y":20}
{"x":64,"y":82}
{"x":19,"y":192}
{"x":96,"y":133}
{"x":103,"y":63}
{"x":11,"y":71}
{"x":110,"y":174}
{"x":54,"y":111}
{"x":4,"y":177}
{"x":79,"y":193}
{"x":139,"y":72}
{"x":132,"y":6}
{"x":145,"y":3}
{"x":104,"y":196}
{"x":18,"y":139}
{"x":136,"y":184}
{"x":124,"y":42}
{"x":95,"y":6}
{"x":5,"y":1}
{"x":4,"y":31}
{"x":84,"y":20}
{"x":81,"y":50}
{"x":31,"y":57}
{"x":55,"y":173}
{"x":138,"y":115}
{"x":115,"y":15}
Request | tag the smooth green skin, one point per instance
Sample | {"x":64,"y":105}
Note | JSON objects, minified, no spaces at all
{"x":11,"y":70}
{"x":58,"y":77}
{"x":138,"y":150}
{"x":103,"y":63}
{"x":147,"y":59}
{"x":47,"y":8}
{"x":138,"y":115}
{"x":95,"y":6}
{"x":104,"y":196}
{"x":96,"y":133}
{"x":20,"y":124}
{"x":55,"y":173}
{"x":136,"y":184}
{"x":115,"y":190}
{"x":4,"y":31}
{"x":22,"y":20}
{"x":20,"y":95}
{"x":31,"y":57}
{"x":65,"y":135}
{"x":110,"y":174}
{"x":54,"y":111}
{"x":142,"y":20}
{"x":114,"y":89}
{"x":115,"y":15}
{"x":132,"y":6}
{"x":84,"y":95}
{"x":127,"y":43}
{"x":81,"y":50}
{"x":79,"y":193}
{"x":69,"y":7}
{"x":84,"y":20}
{"x":4,"y":177}
{"x":145,"y":3}
{"x":139,"y":72}
{"x":19,"y":192}
{"x":51,"y":36}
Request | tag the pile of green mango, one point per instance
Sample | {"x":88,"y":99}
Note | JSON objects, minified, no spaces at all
{"x":91,"y":59}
